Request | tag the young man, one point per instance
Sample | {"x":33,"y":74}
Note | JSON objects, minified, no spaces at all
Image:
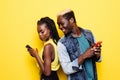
{"x":76,"y":52}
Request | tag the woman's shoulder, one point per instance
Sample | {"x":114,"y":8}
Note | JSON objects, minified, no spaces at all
{"x":49,"y":44}
{"x":50,"y":41}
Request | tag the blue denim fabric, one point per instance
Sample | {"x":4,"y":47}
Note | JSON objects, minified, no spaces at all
{"x":73,"y":49}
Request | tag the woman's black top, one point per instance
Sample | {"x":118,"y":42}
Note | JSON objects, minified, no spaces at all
{"x":53,"y":76}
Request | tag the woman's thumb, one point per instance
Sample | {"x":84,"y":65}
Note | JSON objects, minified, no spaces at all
{"x":36,"y":50}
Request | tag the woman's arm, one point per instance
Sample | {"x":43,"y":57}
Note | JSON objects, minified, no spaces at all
{"x":47,"y":52}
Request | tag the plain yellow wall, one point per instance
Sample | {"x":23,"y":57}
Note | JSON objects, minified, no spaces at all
{"x":18,"y":27}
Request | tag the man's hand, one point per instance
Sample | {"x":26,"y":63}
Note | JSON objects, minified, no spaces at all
{"x":89,"y":53}
{"x":97,"y":51}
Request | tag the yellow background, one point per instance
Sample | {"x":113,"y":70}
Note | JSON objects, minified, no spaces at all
{"x":18,"y":27}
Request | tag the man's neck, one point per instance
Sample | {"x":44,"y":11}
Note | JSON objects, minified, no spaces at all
{"x":76,"y":31}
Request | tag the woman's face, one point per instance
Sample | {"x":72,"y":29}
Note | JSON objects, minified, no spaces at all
{"x":43,"y":31}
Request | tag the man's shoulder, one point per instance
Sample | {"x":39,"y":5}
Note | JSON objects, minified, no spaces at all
{"x":85,"y":30}
{"x":88,"y":31}
{"x":61,"y":39}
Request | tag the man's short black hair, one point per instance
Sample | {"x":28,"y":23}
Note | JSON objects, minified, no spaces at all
{"x":69,"y":15}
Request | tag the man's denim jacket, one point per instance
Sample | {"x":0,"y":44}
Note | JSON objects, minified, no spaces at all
{"x":74,"y":52}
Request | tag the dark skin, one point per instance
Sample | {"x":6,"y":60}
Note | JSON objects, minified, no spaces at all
{"x":48,"y":51}
{"x":69,"y":26}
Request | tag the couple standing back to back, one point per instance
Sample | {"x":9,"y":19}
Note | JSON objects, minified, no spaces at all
{"x":74,"y":51}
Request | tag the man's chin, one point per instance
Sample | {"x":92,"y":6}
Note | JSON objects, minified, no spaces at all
{"x":67,"y":33}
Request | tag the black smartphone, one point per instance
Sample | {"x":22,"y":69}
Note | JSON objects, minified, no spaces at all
{"x":28,"y":46}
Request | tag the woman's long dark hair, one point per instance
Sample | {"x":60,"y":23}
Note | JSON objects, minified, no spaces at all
{"x":51,"y":26}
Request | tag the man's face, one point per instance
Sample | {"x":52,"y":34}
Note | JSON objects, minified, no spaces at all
{"x":64,"y":24}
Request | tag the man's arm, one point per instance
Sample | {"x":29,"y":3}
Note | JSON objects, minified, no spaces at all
{"x":68,"y":66}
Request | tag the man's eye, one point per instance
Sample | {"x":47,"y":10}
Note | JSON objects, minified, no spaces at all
{"x":41,"y":32}
{"x":62,"y":24}
{"x":58,"y":24}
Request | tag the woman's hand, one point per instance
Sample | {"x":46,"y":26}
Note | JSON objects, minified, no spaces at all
{"x":33,"y":52}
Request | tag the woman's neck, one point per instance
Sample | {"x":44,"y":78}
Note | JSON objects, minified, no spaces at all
{"x":48,"y":38}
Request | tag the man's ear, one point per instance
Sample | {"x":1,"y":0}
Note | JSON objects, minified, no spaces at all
{"x":71,"y":20}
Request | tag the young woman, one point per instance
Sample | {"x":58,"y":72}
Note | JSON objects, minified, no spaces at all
{"x":48,"y":59}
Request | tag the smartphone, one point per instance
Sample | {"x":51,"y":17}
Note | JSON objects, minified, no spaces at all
{"x":97,"y":44}
{"x":28,"y":46}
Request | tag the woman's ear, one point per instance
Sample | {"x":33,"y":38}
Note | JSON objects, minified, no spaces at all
{"x":71,"y":20}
